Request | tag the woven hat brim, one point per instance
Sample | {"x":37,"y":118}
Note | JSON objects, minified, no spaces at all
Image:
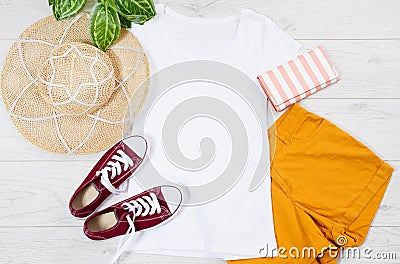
{"x":52,"y":130}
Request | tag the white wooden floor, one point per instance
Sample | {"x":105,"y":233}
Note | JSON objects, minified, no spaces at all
{"x":361,"y":36}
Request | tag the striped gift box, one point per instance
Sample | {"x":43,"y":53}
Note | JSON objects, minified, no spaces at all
{"x":298,"y":78}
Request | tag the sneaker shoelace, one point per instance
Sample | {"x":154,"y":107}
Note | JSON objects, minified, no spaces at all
{"x":143,"y":206}
{"x":116,"y":169}
{"x":150,"y":205}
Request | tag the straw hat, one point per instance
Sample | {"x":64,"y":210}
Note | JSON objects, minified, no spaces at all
{"x":67,"y":96}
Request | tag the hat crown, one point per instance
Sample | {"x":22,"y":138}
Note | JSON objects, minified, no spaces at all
{"x":76,"y":79}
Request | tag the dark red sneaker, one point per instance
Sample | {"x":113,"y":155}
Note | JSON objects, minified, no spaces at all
{"x":114,"y":168}
{"x":143,"y":211}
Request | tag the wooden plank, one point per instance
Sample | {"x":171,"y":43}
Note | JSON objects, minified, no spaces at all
{"x":374,"y":250}
{"x":37,"y":194}
{"x":314,"y":19}
{"x":359,"y":80}
{"x":22,"y":13}
{"x":367,"y":69}
{"x":361,"y":65}
{"x":374,"y":122}
{"x":4,"y":47}
{"x":389,"y":209}
{"x":14,"y":147}
{"x":311,"y":19}
{"x":381,"y":242}
{"x":363,"y":118}
{"x":69,"y":245}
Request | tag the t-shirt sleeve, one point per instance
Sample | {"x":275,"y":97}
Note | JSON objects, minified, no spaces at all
{"x":277,"y":46}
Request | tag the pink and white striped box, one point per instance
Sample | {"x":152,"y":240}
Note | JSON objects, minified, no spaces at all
{"x":298,"y":78}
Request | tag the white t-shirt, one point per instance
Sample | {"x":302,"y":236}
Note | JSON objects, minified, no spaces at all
{"x":239,"y":223}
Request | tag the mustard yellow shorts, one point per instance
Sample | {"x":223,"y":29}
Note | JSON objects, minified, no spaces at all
{"x":326,"y":189}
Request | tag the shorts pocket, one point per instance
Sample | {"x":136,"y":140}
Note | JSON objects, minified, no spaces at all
{"x":308,"y":128}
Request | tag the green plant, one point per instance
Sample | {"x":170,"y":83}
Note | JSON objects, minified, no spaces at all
{"x":107,"y":17}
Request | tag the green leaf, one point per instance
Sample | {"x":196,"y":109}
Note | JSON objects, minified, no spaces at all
{"x":105,"y":26}
{"x":137,"y":11}
{"x":125,"y":23}
{"x":50,"y":2}
{"x":139,"y":19}
{"x":63,"y":9}
{"x":108,"y":2}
